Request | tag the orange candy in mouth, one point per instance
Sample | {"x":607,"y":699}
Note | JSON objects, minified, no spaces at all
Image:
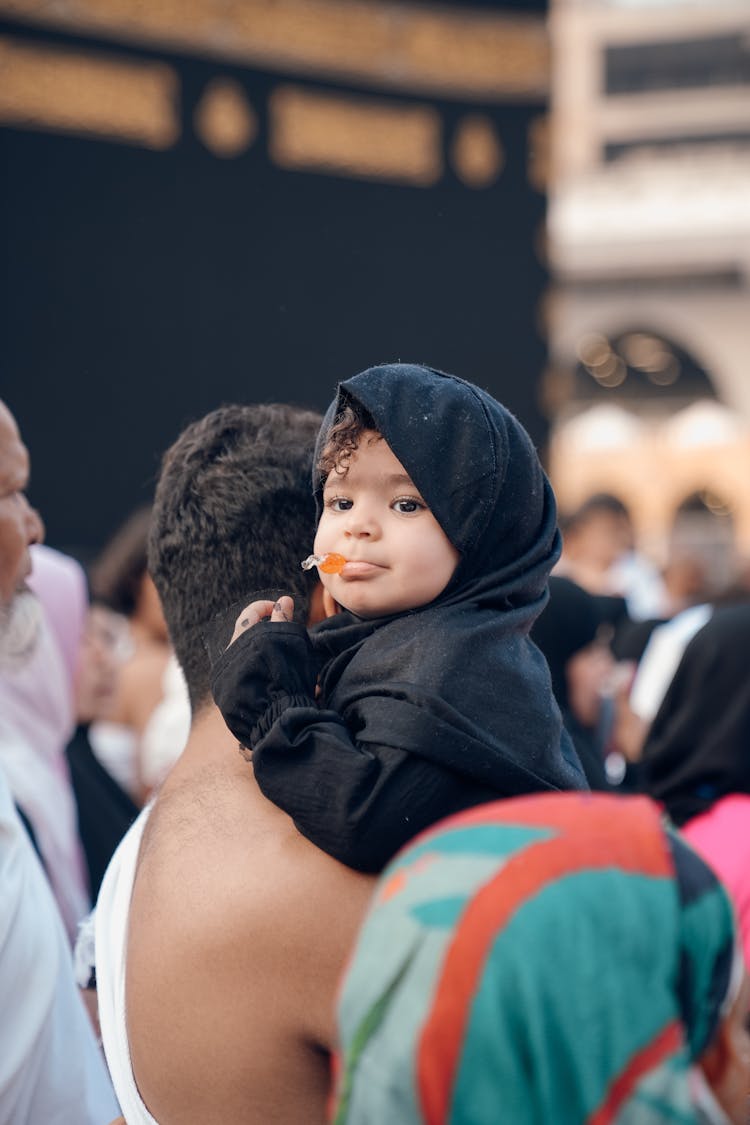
{"x":333,"y":563}
{"x":329,"y":564}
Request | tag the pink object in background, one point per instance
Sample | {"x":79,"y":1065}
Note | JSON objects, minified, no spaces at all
{"x":60,"y":584}
{"x":722,"y":837}
{"x":37,"y":710}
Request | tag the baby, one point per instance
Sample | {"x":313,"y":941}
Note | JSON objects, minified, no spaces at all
{"x":421,"y":694}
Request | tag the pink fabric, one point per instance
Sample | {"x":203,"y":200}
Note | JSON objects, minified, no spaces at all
{"x":37,"y":711}
{"x":60,"y":584}
{"x":722,"y":837}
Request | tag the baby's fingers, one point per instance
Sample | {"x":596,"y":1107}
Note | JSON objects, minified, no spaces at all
{"x":250,"y":616}
{"x":283,"y":609}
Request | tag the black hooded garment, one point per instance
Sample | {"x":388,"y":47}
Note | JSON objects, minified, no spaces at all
{"x":698,"y":747}
{"x":431,"y":711}
{"x":569,"y":623}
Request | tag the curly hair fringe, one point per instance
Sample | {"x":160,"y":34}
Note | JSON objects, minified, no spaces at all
{"x":343,"y":438}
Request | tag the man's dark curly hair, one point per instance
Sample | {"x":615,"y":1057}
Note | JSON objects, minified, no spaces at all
{"x":233,"y":512}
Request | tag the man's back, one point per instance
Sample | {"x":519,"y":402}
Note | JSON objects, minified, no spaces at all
{"x":239,"y":929}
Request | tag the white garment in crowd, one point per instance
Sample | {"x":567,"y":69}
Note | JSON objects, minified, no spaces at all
{"x":116,"y":747}
{"x":132,"y":764}
{"x":168,"y":728}
{"x":51,"y":1069}
{"x":661,"y":659}
{"x":640,"y":583}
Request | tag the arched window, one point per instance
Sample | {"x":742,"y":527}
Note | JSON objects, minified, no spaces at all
{"x":637,"y":364}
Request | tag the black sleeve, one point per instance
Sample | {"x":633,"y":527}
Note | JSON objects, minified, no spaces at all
{"x":360,"y":802}
{"x":267,"y":669}
{"x":357,"y":800}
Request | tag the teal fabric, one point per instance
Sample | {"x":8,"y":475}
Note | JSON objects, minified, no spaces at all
{"x":586,"y":1002}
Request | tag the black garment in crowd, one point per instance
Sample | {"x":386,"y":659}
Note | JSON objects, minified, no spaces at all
{"x":431,"y":711}
{"x":569,"y":623}
{"x":105,"y":810}
{"x":698,"y":747}
{"x":631,"y":639}
{"x":30,"y":833}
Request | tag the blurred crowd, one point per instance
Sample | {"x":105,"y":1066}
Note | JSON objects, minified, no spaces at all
{"x":603,"y":985}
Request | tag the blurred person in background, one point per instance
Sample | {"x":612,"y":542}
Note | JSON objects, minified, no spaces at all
{"x":167,"y":730}
{"x":37,"y":702}
{"x":696,"y":758}
{"x":686,"y":583}
{"x":50,"y":1066}
{"x":656,"y":648}
{"x":120,"y":580}
{"x":105,"y":810}
{"x":599,"y":554}
{"x":558,"y":959}
{"x":571,"y":634}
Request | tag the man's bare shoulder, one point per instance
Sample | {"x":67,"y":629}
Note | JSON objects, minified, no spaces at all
{"x":237,"y":924}
{"x":213,"y":823}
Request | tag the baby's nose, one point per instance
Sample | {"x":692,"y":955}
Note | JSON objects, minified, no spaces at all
{"x":361,"y":526}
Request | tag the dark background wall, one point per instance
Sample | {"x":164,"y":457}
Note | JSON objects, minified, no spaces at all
{"x":142,"y":288}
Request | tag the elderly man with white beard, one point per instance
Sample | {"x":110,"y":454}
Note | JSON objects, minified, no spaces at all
{"x":51,"y":1069}
{"x":38,"y":679}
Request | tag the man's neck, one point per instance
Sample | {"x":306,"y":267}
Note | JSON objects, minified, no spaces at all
{"x":210,"y":743}
{"x":207,"y":725}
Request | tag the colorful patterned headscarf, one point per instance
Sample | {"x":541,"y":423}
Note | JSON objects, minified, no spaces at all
{"x":559,"y":959}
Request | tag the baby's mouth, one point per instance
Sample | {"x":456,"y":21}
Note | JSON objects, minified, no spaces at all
{"x":359,"y":568}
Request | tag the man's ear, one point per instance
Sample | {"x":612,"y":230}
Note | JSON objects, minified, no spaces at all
{"x":316,"y":609}
{"x":322,"y":605}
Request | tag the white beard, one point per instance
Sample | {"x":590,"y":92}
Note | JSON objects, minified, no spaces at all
{"x":20,"y":624}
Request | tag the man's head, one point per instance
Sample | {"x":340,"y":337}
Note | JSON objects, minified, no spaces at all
{"x":233,"y":513}
{"x":20,"y":526}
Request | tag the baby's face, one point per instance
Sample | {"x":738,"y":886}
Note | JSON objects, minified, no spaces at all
{"x":398,"y":556}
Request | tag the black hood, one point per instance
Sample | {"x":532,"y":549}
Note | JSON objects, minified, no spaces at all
{"x":458,"y":680}
{"x":698,"y":747}
{"x":476,"y":468}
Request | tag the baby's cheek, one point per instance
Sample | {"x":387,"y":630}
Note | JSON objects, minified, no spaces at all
{"x":319,"y":547}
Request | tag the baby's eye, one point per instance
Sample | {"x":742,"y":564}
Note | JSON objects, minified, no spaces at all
{"x":339,"y":503}
{"x":407,"y":505}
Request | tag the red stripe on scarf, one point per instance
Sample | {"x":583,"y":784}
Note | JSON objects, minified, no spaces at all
{"x":666,"y":1042}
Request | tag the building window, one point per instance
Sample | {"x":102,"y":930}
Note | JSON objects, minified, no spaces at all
{"x":677,"y":65}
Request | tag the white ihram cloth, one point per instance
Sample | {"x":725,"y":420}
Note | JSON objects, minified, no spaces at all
{"x":661,"y":659}
{"x":51,"y":1069}
{"x":111,"y":933}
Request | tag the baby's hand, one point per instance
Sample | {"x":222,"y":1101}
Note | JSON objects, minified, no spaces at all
{"x":281,"y":610}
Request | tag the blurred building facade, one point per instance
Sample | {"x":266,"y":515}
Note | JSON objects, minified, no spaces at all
{"x":649,"y":229}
